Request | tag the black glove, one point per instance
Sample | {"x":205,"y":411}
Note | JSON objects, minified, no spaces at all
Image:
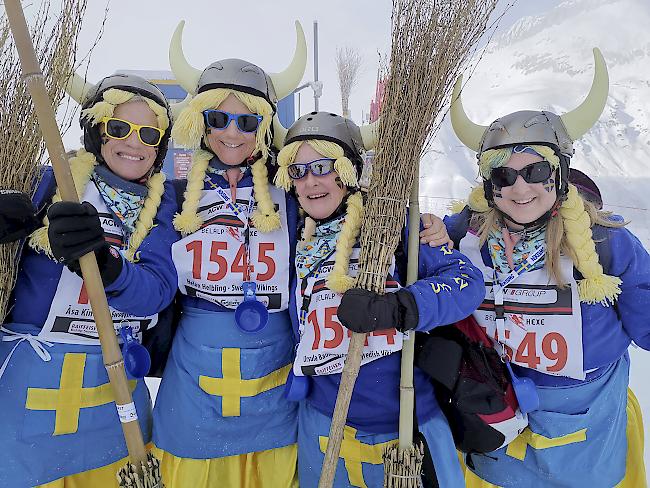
{"x":75,"y":230}
{"x":17,"y":216}
{"x":365,"y":311}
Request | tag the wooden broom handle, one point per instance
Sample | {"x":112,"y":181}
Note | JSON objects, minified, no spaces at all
{"x":353,"y":363}
{"x":348,"y":379}
{"x":113,"y":361}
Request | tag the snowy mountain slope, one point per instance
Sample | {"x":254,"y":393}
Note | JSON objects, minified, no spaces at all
{"x":545,"y":62}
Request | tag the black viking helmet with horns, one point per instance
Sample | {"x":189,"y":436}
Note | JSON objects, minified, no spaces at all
{"x":87,"y":95}
{"x":238,"y":74}
{"x":536,"y":127}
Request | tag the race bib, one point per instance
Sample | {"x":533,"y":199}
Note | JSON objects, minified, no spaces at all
{"x":543,"y":323}
{"x":212,"y":261}
{"x":324,"y":342}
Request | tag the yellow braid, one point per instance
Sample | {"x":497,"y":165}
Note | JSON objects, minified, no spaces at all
{"x":156,"y":187}
{"x":457,"y":206}
{"x":188,"y":221}
{"x":339,"y":280}
{"x":82,"y":166}
{"x":477,"y":201}
{"x":190,"y":128}
{"x":286,"y":157}
{"x":114,"y":97}
{"x":342,"y":165}
{"x":265,"y":218}
{"x":596,"y":287}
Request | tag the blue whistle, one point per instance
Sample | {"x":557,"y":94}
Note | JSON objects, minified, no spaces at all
{"x":136,"y":357}
{"x":525,"y":390}
{"x":251,"y":315}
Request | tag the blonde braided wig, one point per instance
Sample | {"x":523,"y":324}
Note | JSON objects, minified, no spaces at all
{"x":339,"y":280}
{"x":189,"y":131}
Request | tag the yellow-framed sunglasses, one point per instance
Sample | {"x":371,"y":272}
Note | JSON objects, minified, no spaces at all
{"x":121,"y":129}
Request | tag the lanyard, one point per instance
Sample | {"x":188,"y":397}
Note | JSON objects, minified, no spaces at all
{"x":244,"y":217}
{"x":306,"y":295}
{"x":498,"y":288}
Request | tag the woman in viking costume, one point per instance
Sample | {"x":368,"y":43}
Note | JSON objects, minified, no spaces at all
{"x":220,"y":418}
{"x":568,"y":289}
{"x":59,"y":420}
{"x":322,"y":163}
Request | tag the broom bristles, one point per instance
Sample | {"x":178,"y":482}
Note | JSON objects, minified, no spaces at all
{"x":128,"y":477}
{"x":403,"y":468}
{"x":21,"y":144}
{"x":431,"y":42}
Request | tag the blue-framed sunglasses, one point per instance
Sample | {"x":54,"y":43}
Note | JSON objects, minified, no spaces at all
{"x":220,"y":120}
{"x":317,"y":167}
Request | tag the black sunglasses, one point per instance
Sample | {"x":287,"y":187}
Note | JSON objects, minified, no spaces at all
{"x":220,"y":120}
{"x":537,"y":172}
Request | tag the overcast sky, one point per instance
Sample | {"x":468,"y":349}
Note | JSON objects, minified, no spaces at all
{"x":137,"y":35}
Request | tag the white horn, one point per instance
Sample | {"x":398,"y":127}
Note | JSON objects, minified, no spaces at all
{"x":581,"y":119}
{"x":77,"y":88}
{"x":279,"y":133}
{"x":186,"y":75}
{"x":288,"y":80}
{"x":369,"y":135}
{"x":178,"y":107}
{"x":467,"y":131}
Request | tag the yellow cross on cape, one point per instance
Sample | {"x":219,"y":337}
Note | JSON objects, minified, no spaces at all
{"x":71,"y":396}
{"x":354,"y":453}
{"x":232,"y":387}
{"x":517,"y":448}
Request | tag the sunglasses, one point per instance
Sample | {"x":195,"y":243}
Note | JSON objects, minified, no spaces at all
{"x":220,"y":120}
{"x":318,"y":167}
{"x":121,"y":129}
{"x":537,"y":172}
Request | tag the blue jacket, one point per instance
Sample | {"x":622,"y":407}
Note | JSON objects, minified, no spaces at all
{"x":141,"y":289}
{"x":374,"y":406}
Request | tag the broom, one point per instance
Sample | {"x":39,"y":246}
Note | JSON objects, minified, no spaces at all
{"x":21,"y":143}
{"x":431,"y":41}
{"x":143,"y":471}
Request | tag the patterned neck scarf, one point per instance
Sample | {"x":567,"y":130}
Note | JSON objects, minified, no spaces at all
{"x":123,"y":198}
{"x":528,"y":242}
{"x":320,"y":246}
{"x":216,"y":167}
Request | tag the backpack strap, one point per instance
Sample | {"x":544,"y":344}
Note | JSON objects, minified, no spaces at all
{"x":600,"y":235}
{"x":461,"y":226}
{"x":179,"y":189}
